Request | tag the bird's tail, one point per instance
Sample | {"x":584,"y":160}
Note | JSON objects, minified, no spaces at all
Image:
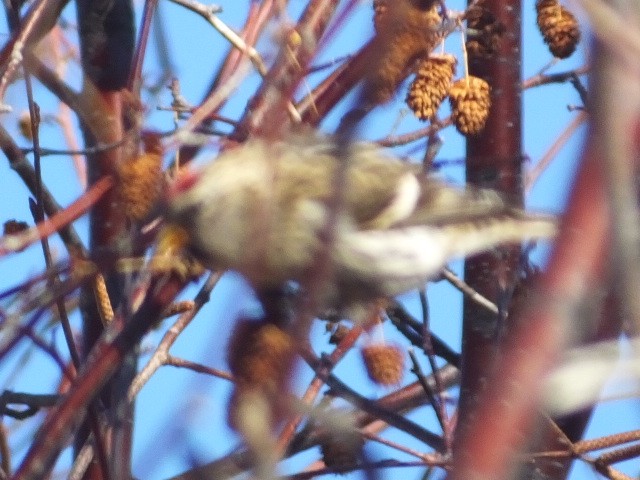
{"x":476,"y":236}
{"x":389,"y":262}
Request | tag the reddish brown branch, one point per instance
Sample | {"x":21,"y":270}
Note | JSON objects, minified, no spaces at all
{"x":494,"y":160}
{"x":104,"y":360}
{"x":267,"y":113}
{"x":576,"y":267}
{"x":40,"y":18}
{"x":59,"y":221}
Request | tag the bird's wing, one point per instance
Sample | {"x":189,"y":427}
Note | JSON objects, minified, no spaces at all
{"x":380,"y":191}
{"x":442,"y":204}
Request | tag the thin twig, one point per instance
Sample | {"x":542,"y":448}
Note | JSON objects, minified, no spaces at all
{"x":23,"y":168}
{"x":467,"y":290}
{"x":396,"y":140}
{"x":316,"y":384}
{"x":608,"y":441}
{"x":427,"y":457}
{"x":561,"y":77}
{"x":161,"y":354}
{"x":209,"y":14}
{"x":534,"y":174}
{"x":433,"y":400}
{"x":17,"y":242}
{"x":172,"y":361}
{"x":398,"y":421}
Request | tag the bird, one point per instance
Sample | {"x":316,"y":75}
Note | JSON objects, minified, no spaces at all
{"x":262,"y":209}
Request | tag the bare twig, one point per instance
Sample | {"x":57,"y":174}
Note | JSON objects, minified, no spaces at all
{"x":414,"y":136}
{"x":161,"y":354}
{"x":533,"y":175}
{"x":38,"y":21}
{"x":16,"y":242}
{"x":172,"y":361}
{"x":467,"y":290}
{"x":23,"y":168}
{"x":561,"y":77}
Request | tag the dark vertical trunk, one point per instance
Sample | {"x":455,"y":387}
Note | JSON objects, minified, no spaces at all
{"x":107,"y":35}
{"x":494,"y":160}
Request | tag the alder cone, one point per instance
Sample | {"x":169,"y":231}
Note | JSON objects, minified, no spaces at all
{"x":13,"y":227}
{"x":470,"y":103}
{"x":558,"y":26}
{"x":140,"y":183}
{"x":489,"y":31}
{"x":140,"y":178}
{"x":24,"y":125}
{"x":341,"y":451}
{"x":259,"y":354}
{"x":431,"y":85}
{"x":385,"y":363}
{"x":404,"y":33}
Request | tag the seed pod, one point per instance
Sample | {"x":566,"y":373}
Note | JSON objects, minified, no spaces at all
{"x":558,"y":26}
{"x":470,"y":103}
{"x":12,"y":227}
{"x":385,"y":363}
{"x":405,"y":33}
{"x":259,"y":354}
{"x":140,"y":180}
{"x":24,"y":125}
{"x":431,"y":85}
{"x":341,"y":450}
{"x":487,"y":32}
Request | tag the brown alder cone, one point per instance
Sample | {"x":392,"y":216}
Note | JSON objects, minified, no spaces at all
{"x":140,"y":179}
{"x":24,"y":125}
{"x":487,"y":32}
{"x":12,"y":227}
{"x":406,"y":30}
{"x":385,"y":363}
{"x":341,"y":450}
{"x":558,"y":26}
{"x":431,"y":85}
{"x":470,"y":103}
{"x":259,"y":354}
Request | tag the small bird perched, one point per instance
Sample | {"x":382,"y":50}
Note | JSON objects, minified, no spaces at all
{"x":261,"y":209}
